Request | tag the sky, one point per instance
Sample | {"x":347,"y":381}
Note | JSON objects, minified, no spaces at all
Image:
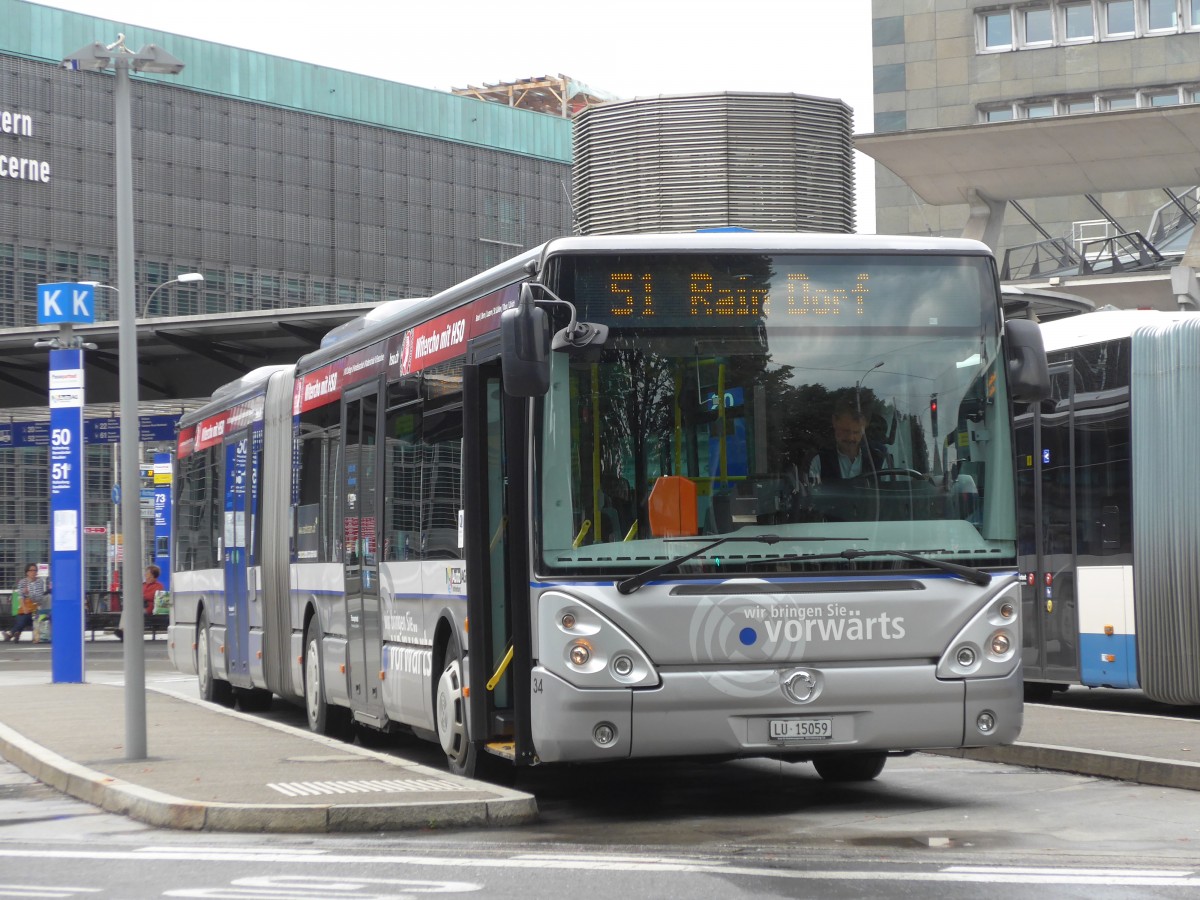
{"x":626,"y":48}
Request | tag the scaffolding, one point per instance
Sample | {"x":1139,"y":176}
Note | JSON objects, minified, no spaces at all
{"x":555,"y":95}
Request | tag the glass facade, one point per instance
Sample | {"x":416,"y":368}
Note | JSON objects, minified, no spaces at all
{"x":256,"y":198}
{"x":276,"y":207}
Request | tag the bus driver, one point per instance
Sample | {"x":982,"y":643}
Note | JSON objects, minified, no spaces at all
{"x":851,"y":455}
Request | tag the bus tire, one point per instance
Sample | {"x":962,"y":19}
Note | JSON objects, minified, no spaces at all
{"x":212,"y":689}
{"x":850,"y":767}
{"x":323,"y":718}
{"x":450,"y":714}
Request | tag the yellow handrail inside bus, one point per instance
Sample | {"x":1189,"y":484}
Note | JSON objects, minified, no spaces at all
{"x":587,"y":524}
{"x":495,"y":679}
{"x":499,"y":533}
{"x":595,"y":376}
{"x":632,"y":533}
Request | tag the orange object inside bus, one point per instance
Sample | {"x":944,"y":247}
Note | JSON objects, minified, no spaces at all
{"x":673,"y":507}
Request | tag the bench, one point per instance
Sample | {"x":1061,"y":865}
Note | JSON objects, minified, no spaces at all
{"x":110,"y":621}
{"x":104,"y":622}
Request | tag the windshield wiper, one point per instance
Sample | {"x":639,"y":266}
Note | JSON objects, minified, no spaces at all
{"x":967,"y":573}
{"x":631,"y":584}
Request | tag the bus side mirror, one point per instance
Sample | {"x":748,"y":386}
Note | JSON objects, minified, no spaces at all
{"x":1028,"y":372}
{"x":525,"y":348}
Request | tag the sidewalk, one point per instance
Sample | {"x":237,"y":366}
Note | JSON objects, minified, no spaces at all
{"x":1125,"y":746}
{"x":210,"y":768}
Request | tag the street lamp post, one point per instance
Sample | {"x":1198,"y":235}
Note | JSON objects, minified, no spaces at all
{"x":185,"y":278}
{"x":97,"y":57}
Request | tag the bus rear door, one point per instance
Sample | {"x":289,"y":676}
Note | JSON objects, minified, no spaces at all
{"x":236,"y":479}
{"x":1047,"y":561}
{"x":361,"y":492}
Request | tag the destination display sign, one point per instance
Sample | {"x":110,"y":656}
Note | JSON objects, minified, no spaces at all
{"x":718,"y":290}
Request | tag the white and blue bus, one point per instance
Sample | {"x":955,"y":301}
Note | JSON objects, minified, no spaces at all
{"x":1110,"y":512}
{"x":567,"y":511}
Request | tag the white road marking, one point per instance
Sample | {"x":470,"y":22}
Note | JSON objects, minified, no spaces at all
{"x":297,"y":887}
{"x":598,"y":862}
{"x":43,"y":890}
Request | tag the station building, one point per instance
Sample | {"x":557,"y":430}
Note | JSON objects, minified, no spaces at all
{"x":284,"y":184}
{"x":1063,"y":132}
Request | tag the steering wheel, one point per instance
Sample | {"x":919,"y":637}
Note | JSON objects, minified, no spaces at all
{"x":906,"y":473}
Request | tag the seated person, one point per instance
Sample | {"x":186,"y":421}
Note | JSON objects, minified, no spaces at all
{"x":851,"y":455}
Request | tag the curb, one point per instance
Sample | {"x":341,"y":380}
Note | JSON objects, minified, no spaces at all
{"x":1118,"y":766}
{"x":166,"y":811}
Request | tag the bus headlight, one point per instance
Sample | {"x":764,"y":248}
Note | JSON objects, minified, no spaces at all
{"x":580,"y":653}
{"x":986,"y":647}
{"x":587,"y":649}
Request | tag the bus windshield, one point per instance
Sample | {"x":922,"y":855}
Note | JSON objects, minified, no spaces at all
{"x":831,"y":401}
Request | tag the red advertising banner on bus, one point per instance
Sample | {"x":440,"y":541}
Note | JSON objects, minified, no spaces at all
{"x":212,"y":431}
{"x":442,"y":338}
{"x":327,"y":383}
{"x":446,"y":336}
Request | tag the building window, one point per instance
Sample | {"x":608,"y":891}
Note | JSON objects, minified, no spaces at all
{"x":1161,"y":15}
{"x":1165,"y":95}
{"x":1119,"y":101}
{"x":1038,"y":26}
{"x":297,"y":293}
{"x":243,"y":292}
{"x":1119,"y":20}
{"x":66,"y":264}
{"x":1078,"y":22}
{"x":34,"y":259}
{"x":997,"y":30}
{"x":1162,"y":98}
{"x":269,"y":292}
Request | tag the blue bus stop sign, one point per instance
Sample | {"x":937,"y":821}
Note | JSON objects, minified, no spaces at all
{"x":66,"y":301}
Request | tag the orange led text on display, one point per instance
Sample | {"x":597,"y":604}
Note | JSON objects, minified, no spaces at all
{"x":634,"y":296}
{"x":622,"y":285}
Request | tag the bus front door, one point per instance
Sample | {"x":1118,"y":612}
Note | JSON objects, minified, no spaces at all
{"x":237,"y":488}
{"x":498,"y":579}
{"x":360,"y":522}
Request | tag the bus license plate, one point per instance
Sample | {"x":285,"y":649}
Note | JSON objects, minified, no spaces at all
{"x":801,"y":729}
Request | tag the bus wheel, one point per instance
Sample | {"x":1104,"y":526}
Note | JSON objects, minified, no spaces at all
{"x":332,"y":721}
{"x":450,"y":711}
{"x":212,"y":689}
{"x":851,"y":767}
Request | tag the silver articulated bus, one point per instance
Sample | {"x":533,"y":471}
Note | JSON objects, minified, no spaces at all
{"x":703,"y":495}
{"x":1110,"y":513}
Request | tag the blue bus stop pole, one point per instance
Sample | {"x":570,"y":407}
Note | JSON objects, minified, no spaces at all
{"x":66,"y":515}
